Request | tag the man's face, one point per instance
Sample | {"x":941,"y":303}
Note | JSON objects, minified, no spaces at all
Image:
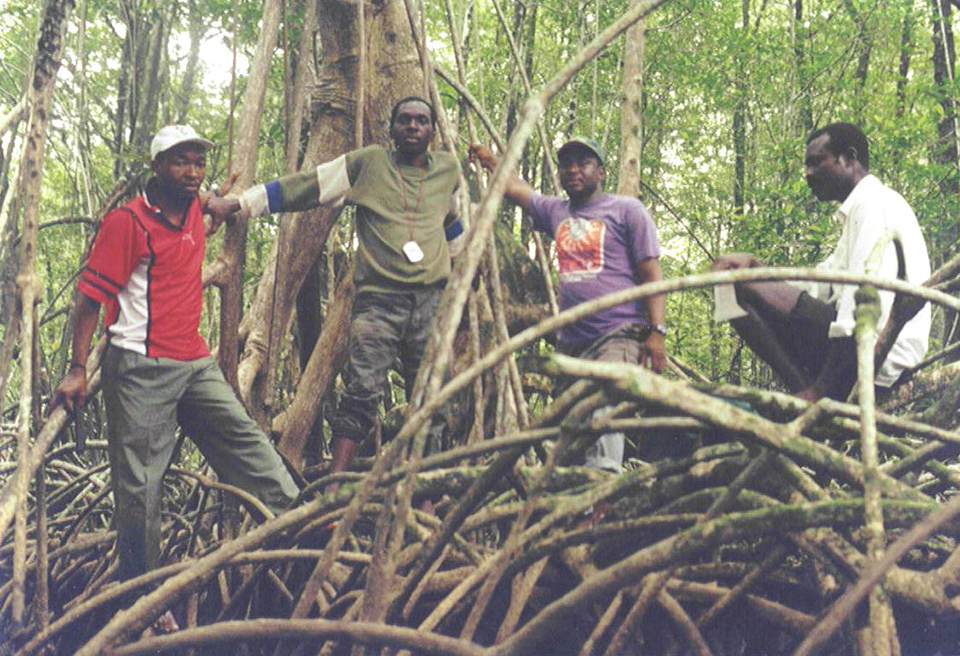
{"x":180,"y":171}
{"x":412,"y":130}
{"x":581,"y":173}
{"x":829,"y":176}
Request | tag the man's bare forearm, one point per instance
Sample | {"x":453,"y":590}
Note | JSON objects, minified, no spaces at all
{"x":86,"y":315}
{"x":516,"y":190}
{"x":71,"y":392}
{"x":649,"y":270}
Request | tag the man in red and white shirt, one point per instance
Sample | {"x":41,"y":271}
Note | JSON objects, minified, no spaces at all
{"x":145,"y":267}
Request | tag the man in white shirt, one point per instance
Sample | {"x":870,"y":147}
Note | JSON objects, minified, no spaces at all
{"x":806,"y":333}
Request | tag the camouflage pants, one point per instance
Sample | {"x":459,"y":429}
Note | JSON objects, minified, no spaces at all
{"x":383,"y":327}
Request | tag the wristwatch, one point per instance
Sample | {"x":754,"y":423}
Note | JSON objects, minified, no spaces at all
{"x":659,"y":328}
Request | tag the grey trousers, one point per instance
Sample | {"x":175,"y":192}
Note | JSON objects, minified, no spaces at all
{"x":621,"y":346}
{"x":145,"y":399}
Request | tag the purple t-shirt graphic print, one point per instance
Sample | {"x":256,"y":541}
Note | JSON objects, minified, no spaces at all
{"x":580,"y":247}
{"x":599,"y":245}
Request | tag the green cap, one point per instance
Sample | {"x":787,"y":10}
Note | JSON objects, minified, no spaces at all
{"x":589,"y":144}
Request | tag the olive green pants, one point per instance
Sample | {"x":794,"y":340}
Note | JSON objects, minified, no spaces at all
{"x":145,"y":399}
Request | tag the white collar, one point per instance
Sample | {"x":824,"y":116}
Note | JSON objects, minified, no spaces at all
{"x":868,"y":185}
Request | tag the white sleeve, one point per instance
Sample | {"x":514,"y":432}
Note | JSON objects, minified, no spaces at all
{"x":866,"y":233}
{"x":254,"y":203}
{"x":333,"y":181}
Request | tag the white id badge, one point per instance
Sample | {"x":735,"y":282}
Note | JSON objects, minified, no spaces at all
{"x":413,"y":251}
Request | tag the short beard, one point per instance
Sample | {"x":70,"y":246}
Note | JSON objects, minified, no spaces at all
{"x":175,"y":195}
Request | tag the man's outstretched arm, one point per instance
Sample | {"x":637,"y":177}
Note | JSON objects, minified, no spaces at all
{"x":517,"y":190}
{"x":323,"y":185}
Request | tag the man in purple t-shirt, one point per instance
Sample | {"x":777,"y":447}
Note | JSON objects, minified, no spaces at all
{"x":605,"y":243}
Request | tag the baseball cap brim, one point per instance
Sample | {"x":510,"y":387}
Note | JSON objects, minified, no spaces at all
{"x":199,"y":141}
{"x":583,"y":142}
{"x":172,"y":136}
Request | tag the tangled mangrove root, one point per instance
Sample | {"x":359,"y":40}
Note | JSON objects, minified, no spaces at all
{"x":737,"y":537}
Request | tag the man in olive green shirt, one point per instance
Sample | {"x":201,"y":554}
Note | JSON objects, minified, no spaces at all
{"x":407,"y":228}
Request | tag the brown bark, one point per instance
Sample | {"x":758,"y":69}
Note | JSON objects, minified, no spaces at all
{"x":141,"y":82}
{"x":124,"y":74}
{"x":548,"y":159}
{"x":304,"y":79}
{"x":40,"y":99}
{"x":8,"y":123}
{"x":800,"y":62}
{"x":947,"y":150}
{"x":740,"y":124}
{"x":197,"y":28}
{"x":231,"y":258}
{"x":148,"y":84}
{"x":325,"y":361}
{"x":864,"y":48}
{"x":906,"y":44}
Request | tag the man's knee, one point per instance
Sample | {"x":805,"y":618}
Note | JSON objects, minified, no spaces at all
{"x":815,"y":311}
{"x":354,"y":419}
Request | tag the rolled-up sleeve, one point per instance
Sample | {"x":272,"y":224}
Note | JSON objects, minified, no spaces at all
{"x":326,"y":185}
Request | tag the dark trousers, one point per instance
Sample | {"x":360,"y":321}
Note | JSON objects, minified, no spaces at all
{"x":383,"y":327}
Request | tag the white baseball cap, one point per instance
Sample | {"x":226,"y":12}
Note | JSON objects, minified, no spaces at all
{"x":174,"y":135}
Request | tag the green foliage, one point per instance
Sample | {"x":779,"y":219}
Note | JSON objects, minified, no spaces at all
{"x":703,"y":66}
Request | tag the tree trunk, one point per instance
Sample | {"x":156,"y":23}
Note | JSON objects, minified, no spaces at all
{"x":308,"y":300}
{"x":40,"y":99}
{"x":906,"y":49}
{"x":149,"y":83}
{"x":231,"y":258}
{"x":528,"y":164}
{"x":197,"y":28}
{"x":10,"y":123}
{"x":83,"y":114}
{"x":304,"y":79}
{"x":325,"y":360}
{"x":864,"y":49}
{"x":946,"y":151}
{"x":123,"y":102}
{"x":628,"y":180}
{"x":515,"y":90}
{"x":573,"y":104}
{"x":800,"y":62}
{"x":740,"y":123}
{"x":296,"y":93}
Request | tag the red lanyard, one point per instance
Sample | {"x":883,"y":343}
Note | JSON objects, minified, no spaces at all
{"x":407,"y":215}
